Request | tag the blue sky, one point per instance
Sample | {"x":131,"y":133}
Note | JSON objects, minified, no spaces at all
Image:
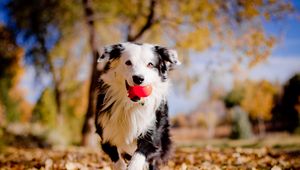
{"x":280,"y":66}
{"x":289,"y":34}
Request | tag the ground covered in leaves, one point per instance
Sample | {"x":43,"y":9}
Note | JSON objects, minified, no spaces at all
{"x":184,"y":158}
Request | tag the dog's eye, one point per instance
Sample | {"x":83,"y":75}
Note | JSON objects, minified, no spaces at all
{"x":150,"y":65}
{"x":128,"y":62}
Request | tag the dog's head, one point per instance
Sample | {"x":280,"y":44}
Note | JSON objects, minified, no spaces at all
{"x":137,"y":64}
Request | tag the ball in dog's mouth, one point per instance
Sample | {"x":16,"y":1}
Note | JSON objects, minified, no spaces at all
{"x":135,"y":93}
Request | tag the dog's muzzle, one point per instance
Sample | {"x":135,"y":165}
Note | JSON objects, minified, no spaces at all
{"x":136,"y":93}
{"x":132,"y":98}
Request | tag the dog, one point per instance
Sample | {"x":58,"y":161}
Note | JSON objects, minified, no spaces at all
{"x":134,"y":131}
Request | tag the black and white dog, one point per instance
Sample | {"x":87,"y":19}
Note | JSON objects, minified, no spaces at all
{"x":134,"y":130}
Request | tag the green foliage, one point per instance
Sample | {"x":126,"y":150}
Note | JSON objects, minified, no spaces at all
{"x":234,"y":97}
{"x":11,"y":110}
{"x":45,"y":109}
{"x":241,"y":126}
{"x":256,"y":98}
{"x":61,"y":129}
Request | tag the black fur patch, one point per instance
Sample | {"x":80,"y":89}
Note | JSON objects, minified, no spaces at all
{"x":100,"y":100}
{"x":112,"y":151}
{"x":163,"y":52}
{"x":126,"y":156}
{"x":106,"y":67}
{"x":163,"y":57}
{"x":116,"y":51}
{"x":162,"y":125}
{"x":113,"y":51}
{"x":156,"y":143}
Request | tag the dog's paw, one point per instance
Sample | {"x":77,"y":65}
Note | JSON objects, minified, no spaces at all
{"x":137,"y":162}
{"x":119,"y":165}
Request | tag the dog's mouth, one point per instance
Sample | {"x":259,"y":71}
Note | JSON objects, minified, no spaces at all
{"x":136,"y":93}
{"x":133,"y":98}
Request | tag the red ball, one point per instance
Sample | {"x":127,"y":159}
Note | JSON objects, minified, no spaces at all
{"x":139,"y":91}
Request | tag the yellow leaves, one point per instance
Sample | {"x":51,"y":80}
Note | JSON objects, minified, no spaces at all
{"x":11,"y":56}
{"x":154,"y":36}
{"x":250,"y":8}
{"x":258,"y":99}
{"x":197,"y":25}
{"x":255,"y":45}
{"x":198,"y":39}
{"x":11,"y":70}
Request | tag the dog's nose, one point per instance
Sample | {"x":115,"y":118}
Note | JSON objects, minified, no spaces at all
{"x":138,"y":79}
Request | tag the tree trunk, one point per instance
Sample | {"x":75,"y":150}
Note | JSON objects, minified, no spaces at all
{"x":88,"y":125}
{"x":261,"y":127}
{"x":150,"y":21}
{"x":57,"y":92}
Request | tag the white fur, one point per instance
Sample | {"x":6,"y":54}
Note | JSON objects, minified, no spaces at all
{"x":130,"y":119}
{"x":137,"y":162}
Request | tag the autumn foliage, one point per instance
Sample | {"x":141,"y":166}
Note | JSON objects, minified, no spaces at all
{"x":60,"y":41}
{"x":12,"y":102}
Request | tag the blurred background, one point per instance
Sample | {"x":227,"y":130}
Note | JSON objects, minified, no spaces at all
{"x":240,"y":77}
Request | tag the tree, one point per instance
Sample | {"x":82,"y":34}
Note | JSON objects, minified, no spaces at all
{"x":11,"y":70}
{"x":88,"y":125}
{"x":241,"y":126}
{"x":187,"y":25}
{"x":53,"y":27}
{"x":234,"y":97}
{"x":256,"y":99}
{"x":43,"y":23}
{"x":286,"y":111}
{"x":45,"y":109}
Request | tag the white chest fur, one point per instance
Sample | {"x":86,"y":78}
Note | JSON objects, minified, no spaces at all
{"x":127,"y":120}
{"x":125,"y":123}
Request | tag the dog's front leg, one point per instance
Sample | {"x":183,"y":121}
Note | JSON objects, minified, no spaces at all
{"x":112,"y":151}
{"x":138,"y":161}
{"x":145,"y":150}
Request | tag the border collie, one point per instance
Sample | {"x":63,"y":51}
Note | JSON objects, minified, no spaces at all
{"x":134,"y":131}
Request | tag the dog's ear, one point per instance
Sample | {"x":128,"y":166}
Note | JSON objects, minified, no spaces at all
{"x":111,"y":52}
{"x":168,"y":59}
{"x":169,"y":56}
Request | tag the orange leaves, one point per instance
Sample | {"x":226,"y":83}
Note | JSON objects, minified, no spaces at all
{"x":11,"y":70}
{"x":250,"y":8}
{"x":255,"y":45}
{"x":184,"y":158}
{"x":198,"y":39}
{"x":258,"y":99}
{"x":11,"y":56}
